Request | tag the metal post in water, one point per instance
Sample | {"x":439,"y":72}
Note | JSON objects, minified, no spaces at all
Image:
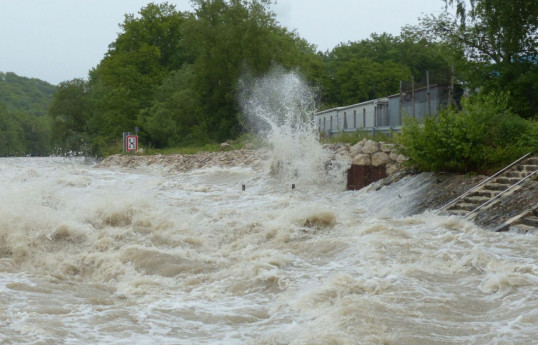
{"x":428,"y":92}
{"x":413,"y":94}
{"x":293,"y":186}
{"x":243,"y":186}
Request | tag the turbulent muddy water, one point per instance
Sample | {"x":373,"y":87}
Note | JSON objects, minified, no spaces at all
{"x":111,"y":256}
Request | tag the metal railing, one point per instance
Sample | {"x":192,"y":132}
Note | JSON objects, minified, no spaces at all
{"x":452,"y":202}
{"x":501,"y":193}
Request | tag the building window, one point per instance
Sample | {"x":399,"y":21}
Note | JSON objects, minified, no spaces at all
{"x":345,"y":120}
{"x":354,"y":119}
{"x":319,"y":124}
{"x":331,"y":123}
{"x":363,"y":117}
{"x":324,"y":123}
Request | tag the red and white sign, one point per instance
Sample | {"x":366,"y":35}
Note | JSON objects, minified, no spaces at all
{"x":131,"y":143}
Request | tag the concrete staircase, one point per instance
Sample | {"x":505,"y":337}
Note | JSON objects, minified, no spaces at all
{"x":526,"y":222}
{"x":491,"y":190}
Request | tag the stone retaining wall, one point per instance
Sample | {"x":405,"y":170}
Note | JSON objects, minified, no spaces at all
{"x":371,"y":153}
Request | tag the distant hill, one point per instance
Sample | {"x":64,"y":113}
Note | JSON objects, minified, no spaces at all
{"x":25,"y":95}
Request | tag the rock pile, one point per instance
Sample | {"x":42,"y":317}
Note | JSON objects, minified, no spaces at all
{"x":182,"y":162}
{"x":370,"y":153}
{"x":366,"y":152}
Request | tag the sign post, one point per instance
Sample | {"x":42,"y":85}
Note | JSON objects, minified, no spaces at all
{"x":131,"y":143}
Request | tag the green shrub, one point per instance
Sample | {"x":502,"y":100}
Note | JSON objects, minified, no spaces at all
{"x":482,"y":137}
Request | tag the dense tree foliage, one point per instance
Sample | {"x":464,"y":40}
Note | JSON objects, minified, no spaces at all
{"x":372,"y":68}
{"x":27,"y":95}
{"x":70,"y":115}
{"x":23,"y":128}
{"x":499,"y":43}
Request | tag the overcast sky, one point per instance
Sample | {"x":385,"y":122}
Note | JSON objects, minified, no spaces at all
{"x":59,"y":40}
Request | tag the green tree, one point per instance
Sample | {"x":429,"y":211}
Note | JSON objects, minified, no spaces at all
{"x":174,"y":118}
{"x":36,"y":134}
{"x":232,"y":38}
{"x":26,"y":95}
{"x":500,"y":42}
{"x":371,"y":68}
{"x":70,"y":113}
{"x":23,"y":128}
{"x":11,"y":135}
{"x":122,"y":86}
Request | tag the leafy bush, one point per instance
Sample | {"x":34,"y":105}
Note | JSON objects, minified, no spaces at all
{"x":483,"y":136}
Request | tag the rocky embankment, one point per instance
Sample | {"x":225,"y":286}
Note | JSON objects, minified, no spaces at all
{"x":255,"y":159}
{"x":366,"y":152}
{"x":370,"y":153}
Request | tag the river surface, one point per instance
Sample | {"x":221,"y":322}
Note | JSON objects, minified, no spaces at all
{"x":147,"y":256}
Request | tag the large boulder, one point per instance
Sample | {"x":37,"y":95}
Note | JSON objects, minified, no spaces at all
{"x":370,"y":147}
{"x":401,"y":158}
{"x":380,"y":158}
{"x":391,"y":168}
{"x":362,"y":159}
{"x":387,"y":148}
{"x":356,"y":149}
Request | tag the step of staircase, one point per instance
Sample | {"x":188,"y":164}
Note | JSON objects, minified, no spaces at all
{"x":508,"y":181}
{"x":464,"y":206}
{"x":515,"y":173}
{"x":526,"y":222}
{"x":496,"y":186}
{"x":503,"y":184}
{"x":523,"y":229}
{"x":527,"y":168}
{"x":532,"y":160}
{"x":458,"y":212}
{"x":484,"y":193}
{"x":531,"y":221}
{"x":476,"y":199}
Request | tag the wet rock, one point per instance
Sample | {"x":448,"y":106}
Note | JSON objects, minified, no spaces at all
{"x":323,"y":219}
{"x":362,"y":159}
{"x":370,"y":147}
{"x":401,"y":158}
{"x":387,"y":148}
{"x":380,"y":158}
{"x":357,"y":148}
{"x":392,"y":168}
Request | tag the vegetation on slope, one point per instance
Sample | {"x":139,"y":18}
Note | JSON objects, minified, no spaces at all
{"x":24,"y":126}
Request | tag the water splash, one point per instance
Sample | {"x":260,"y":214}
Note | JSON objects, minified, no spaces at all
{"x":280,"y":106}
